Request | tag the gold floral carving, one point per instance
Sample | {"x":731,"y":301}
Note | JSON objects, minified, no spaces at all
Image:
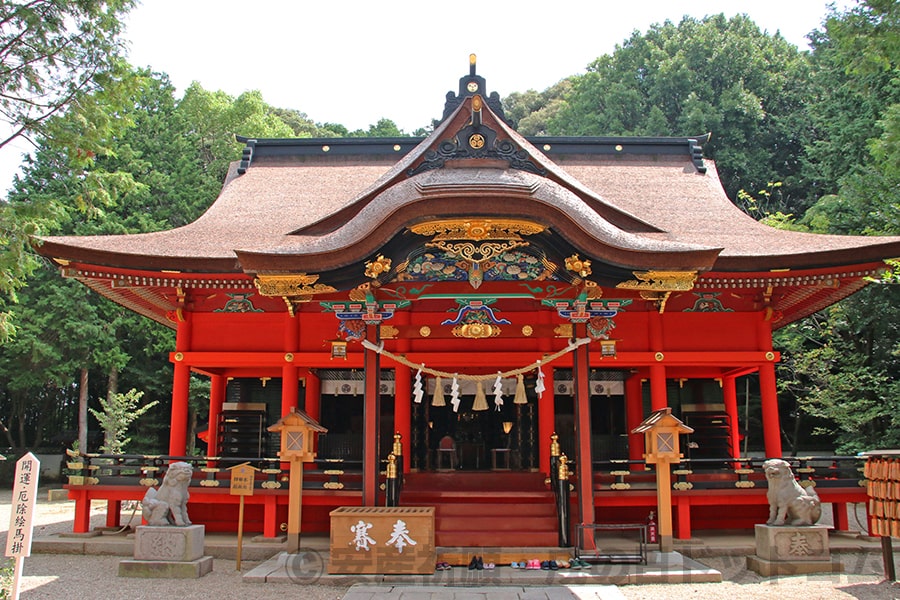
{"x":581,"y":267}
{"x":563,"y":331}
{"x":477,"y":229}
{"x":476,"y":240}
{"x":358,"y":294}
{"x":425,"y":331}
{"x":527,"y":330}
{"x":476,"y":331}
{"x":662,"y":281}
{"x":299,"y":284}
{"x":388,"y":332}
{"x":480,"y":253}
{"x":378,"y":267}
{"x":594,"y":291}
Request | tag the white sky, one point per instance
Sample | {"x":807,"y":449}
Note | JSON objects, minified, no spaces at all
{"x":354,"y":61}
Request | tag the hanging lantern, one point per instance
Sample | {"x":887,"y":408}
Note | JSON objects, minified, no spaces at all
{"x":608,"y":348}
{"x":520,"y":397}
{"x":480,"y":399}
{"x":438,"y":399}
{"x":338,"y":349}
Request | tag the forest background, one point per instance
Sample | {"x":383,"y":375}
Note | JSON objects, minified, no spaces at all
{"x":805,"y":140}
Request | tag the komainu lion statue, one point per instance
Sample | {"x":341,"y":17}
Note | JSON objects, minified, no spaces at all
{"x":168,"y":504}
{"x":789,"y":502}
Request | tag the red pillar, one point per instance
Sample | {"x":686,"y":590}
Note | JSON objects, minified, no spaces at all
{"x":546,"y":418}
{"x":181,"y":382}
{"x":270,"y":516}
{"x":683,"y":510}
{"x":658,"y":397}
{"x":839,"y":512}
{"x":312,"y":398}
{"x":217,"y":385}
{"x":312,"y":401}
{"x":403,"y":409}
{"x":403,"y":394}
{"x":729,"y":392}
{"x":584,"y":468}
{"x":371,"y":420}
{"x":290,"y":376}
{"x":546,"y":404}
{"x":113,"y":513}
{"x":82,"y":499}
{"x":770,"y":420}
{"x":634,"y":414}
{"x":768,"y":392}
{"x":290,"y":388}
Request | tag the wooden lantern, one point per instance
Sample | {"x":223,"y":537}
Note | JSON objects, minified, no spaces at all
{"x":661,"y":431}
{"x":297,"y":431}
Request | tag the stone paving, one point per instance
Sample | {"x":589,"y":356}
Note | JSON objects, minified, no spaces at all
{"x":580,"y":592}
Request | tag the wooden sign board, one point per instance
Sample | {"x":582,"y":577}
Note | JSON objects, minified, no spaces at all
{"x":25,"y":487}
{"x":242,"y":478}
{"x":387,"y":540}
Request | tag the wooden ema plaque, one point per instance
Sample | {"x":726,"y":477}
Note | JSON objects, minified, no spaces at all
{"x":883,"y":486}
{"x":387,"y":540}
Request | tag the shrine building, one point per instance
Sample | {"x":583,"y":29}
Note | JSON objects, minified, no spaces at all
{"x":475,"y":292}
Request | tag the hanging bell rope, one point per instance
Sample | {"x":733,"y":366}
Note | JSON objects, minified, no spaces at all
{"x":520,"y":397}
{"x":480,"y":399}
{"x":438,"y":399}
{"x":379,"y":348}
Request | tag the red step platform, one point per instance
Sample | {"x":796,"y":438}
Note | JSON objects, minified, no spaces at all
{"x":486,"y":509}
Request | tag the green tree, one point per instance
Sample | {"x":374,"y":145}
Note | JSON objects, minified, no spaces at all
{"x":529,"y":112}
{"x":118,"y":412}
{"x":843,"y":362}
{"x":716,"y":75}
{"x":384,"y":128}
{"x":174,"y":160}
{"x":54,"y":53}
{"x":57,"y":58}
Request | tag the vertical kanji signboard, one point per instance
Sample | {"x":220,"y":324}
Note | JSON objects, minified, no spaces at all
{"x":18,"y":542}
{"x":25,"y":488}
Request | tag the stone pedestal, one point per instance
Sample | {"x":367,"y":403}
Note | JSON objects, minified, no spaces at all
{"x":173,"y":552}
{"x":792,"y":550}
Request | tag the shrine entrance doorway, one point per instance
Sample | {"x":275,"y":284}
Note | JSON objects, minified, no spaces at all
{"x":484,"y":435}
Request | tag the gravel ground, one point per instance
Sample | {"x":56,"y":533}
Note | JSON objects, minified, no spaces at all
{"x":78,"y":576}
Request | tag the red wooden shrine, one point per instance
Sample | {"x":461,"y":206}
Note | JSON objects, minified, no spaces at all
{"x":344,"y":276}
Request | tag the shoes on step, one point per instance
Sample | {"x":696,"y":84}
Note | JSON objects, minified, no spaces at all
{"x":545,"y":565}
{"x":554,"y":566}
{"x":564,"y":564}
{"x":489,"y":566}
{"x":479,"y":565}
{"x":473,"y":564}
